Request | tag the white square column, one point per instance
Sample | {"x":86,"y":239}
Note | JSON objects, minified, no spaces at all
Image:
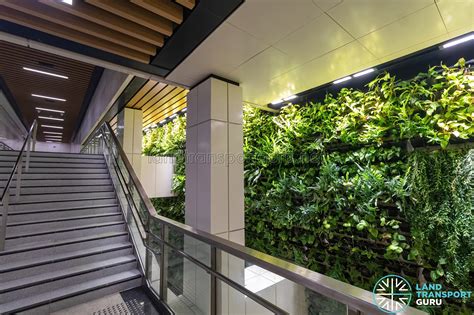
{"x":130,"y":135}
{"x":214,"y":166}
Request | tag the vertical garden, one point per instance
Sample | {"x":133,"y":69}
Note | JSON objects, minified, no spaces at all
{"x":362,"y":184}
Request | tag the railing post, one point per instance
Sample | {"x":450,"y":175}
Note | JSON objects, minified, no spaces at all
{"x":163,"y":266}
{"x":28,"y":144}
{"x":18,"y":176}
{"x":3,"y":228}
{"x":35,"y":129}
{"x":213,"y":281}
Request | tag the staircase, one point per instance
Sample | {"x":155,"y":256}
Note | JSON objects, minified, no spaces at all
{"x":66,"y":241}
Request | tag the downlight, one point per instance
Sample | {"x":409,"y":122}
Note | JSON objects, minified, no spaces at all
{"x":459,"y":41}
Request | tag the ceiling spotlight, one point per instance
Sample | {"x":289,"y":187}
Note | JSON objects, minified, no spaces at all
{"x":342,"y":80}
{"x":359,"y":74}
{"x":47,"y":73}
{"x":51,"y":118}
{"x":50,"y":126}
{"x":50,"y":110}
{"x":49,"y":97}
{"x":459,"y":41}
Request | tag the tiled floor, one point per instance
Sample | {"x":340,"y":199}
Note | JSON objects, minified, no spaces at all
{"x":131,"y":302}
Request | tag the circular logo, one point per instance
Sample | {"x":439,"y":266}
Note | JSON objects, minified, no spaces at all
{"x":392,"y":294}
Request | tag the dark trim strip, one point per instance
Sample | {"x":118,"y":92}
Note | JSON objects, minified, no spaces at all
{"x":201,"y":22}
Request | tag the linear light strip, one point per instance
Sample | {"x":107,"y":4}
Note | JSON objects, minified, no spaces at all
{"x":47,"y":73}
{"x":53,"y":132}
{"x":51,"y":118}
{"x":359,"y":74}
{"x":49,"y":97}
{"x":459,"y":41}
{"x":50,"y":110}
{"x":342,"y":80}
{"x":50,"y":126}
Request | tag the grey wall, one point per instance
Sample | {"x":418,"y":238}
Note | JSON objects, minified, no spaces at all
{"x":109,"y":88}
{"x":12,"y":131}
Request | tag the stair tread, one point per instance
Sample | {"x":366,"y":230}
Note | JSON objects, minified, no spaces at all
{"x":50,"y":243}
{"x":68,"y":291}
{"x":20,"y":212}
{"x":65,"y":218}
{"x":52,"y":231}
{"x":21,"y":264}
{"x":62,"y":200}
{"x":67,"y":272}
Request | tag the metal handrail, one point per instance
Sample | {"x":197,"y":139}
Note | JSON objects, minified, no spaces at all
{"x":30,"y":144}
{"x":342,"y":292}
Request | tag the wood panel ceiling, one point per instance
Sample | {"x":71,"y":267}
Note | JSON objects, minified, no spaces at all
{"x":158,"y":101}
{"x":22,"y":84}
{"x":134,"y":29}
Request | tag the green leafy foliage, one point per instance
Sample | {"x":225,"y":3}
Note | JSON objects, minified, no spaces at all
{"x":335,"y":187}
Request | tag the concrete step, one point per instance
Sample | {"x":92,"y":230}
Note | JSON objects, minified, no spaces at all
{"x":29,"y":228}
{"x":58,"y":214}
{"x":58,"y":164}
{"x":32,"y":239}
{"x":55,"y":154}
{"x":57,"y":170}
{"x":41,"y":198}
{"x":41,"y":297}
{"x":73,"y":203}
{"x":52,"y":159}
{"x":25,"y":282}
{"x":57,"y":176}
{"x":26,"y":182}
{"x":73,"y":259}
{"x":60,"y":189}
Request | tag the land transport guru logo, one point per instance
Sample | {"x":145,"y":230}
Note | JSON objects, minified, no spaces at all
{"x":393,"y":294}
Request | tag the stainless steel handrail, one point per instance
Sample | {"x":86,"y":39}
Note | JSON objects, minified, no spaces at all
{"x":345,"y":293}
{"x":30,"y":144}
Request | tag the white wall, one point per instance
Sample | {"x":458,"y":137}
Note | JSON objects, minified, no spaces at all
{"x":157,"y":175}
{"x":57,"y":147}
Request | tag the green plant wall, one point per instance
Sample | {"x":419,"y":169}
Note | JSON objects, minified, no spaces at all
{"x":364,"y":183}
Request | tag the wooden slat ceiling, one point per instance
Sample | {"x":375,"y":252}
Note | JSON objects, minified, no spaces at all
{"x":22,"y":84}
{"x":158,"y":101}
{"x":134,"y":29}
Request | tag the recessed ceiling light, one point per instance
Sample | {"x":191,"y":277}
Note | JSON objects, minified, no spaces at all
{"x":51,"y":118}
{"x":358,"y":74}
{"x":53,"y":132}
{"x":47,"y":73}
{"x":164,"y":120}
{"x":342,"y":80}
{"x":67,"y":1}
{"x":459,"y":41}
{"x":50,"y":110}
{"x":49,"y":126}
{"x":53,"y":137}
{"x":291,"y":97}
{"x":173,"y":116}
{"x":49,"y":97}
{"x":184,"y":109}
{"x":275,"y":102}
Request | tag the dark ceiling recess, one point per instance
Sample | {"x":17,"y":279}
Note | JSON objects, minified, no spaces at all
{"x":403,"y":68}
{"x":23,"y":83}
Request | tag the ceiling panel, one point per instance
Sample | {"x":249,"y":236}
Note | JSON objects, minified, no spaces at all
{"x":362,"y":17}
{"x":349,"y":36}
{"x":22,"y":84}
{"x":314,"y":39}
{"x":401,"y":34}
{"x":249,"y":17}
